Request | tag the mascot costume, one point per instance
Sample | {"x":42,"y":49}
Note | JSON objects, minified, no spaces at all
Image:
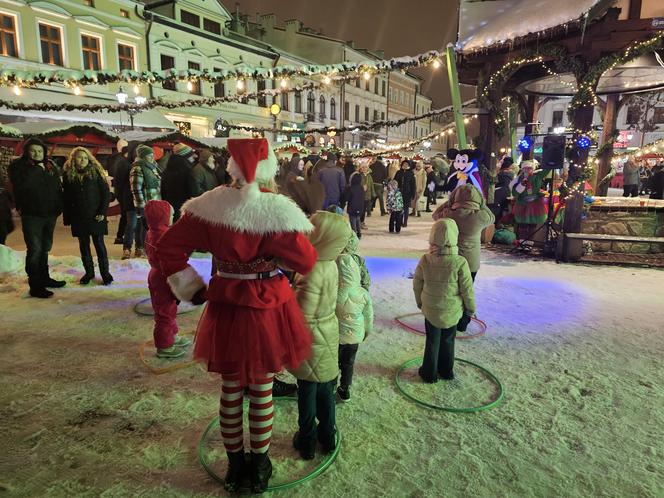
{"x":464,"y":169}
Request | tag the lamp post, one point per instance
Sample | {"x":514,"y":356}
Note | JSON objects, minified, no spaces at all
{"x":132,"y":111}
{"x":275,"y":109}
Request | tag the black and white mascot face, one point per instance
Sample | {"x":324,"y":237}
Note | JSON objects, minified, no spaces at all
{"x":465,"y":168}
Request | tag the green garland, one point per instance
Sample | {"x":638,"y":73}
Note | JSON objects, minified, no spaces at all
{"x":585,"y":95}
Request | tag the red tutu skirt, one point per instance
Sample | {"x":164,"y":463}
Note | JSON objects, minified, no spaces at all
{"x":531,"y":213}
{"x":251,"y":341}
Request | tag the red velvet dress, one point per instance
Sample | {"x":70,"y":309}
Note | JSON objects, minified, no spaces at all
{"x":250,"y":327}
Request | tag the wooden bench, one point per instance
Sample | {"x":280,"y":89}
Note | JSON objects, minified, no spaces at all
{"x":603,"y":237}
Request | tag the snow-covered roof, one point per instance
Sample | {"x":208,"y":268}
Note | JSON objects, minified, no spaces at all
{"x":43,"y":127}
{"x":484,"y":23}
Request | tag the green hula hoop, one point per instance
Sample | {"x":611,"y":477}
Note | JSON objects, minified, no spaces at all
{"x":471,"y":409}
{"x":138,"y":311}
{"x":279,"y":487}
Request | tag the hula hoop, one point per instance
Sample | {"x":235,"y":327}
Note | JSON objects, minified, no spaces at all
{"x":325,"y":463}
{"x":471,"y":409}
{"x":148,"y":300}
{"x":414,"y":330}
{"x":161,"y":370}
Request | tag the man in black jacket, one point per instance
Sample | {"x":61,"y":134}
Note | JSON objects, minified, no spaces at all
{"x":38,"y":197}
{"x":379,"y":175}
{"x":118,"y":168}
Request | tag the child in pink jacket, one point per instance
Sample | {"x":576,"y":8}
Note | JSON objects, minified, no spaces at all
{"x":159,"y":216}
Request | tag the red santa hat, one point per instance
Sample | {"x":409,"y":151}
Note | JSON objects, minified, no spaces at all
{"x":251,"y":159}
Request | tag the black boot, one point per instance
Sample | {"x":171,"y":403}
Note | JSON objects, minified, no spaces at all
{"x":55,"y":283}
{"x":282,"y":389}
{"x":40,"y":292}
{"x":261,"y":471}
{"x":106,"y":277}
{"x":89,"y":268}
{"x":235,"y":472}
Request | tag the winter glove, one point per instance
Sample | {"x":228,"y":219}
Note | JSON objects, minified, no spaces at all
{"x":99,"y":217}
{"x":199,"y":297}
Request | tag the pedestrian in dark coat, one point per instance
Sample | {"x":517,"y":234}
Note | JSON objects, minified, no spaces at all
{"x":6,"y":221}
{"x":86,"y":198}
{"x":349,"y":168}
{"x":175,"y":180}
{"x":379,"y":175}
{"x":202,"y":177}
{"x":117,"y":162}
{"x":38,"y":197}
{"x":308,"y":194}
{"x":405,"y":178}
{"x":354,"y":200}
{"x":333,"y":179}
{"x":657,"y":182}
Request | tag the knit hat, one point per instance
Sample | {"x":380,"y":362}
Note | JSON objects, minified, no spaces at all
{"x":182,"y":150}
{"x":204,"y":155}
{"x":251,"y":159}
{"x":142,"y":151}
{"x":507,"y":163}
{"x":332,"y":157}
{"x":122,"y":143}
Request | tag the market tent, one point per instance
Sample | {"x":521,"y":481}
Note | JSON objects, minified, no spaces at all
{"x":150,"y":118}
{"x":165,"y":140}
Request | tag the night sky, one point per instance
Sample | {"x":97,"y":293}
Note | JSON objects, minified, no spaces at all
{"x":399,"y":27}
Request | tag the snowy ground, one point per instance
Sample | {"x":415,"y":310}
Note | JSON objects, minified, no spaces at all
{"x":578,"y":350}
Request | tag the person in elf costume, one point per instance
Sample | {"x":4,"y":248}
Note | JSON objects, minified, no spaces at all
{"x":252,"y":325}
{"x":465,"y":169}
{"x":530,"y":207}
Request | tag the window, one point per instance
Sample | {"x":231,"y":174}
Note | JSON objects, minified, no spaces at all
{"x":557,"y":119}
{"x":357,"y":82}
{"x":633,"y":115}
{"x":659,"y":115}
{"x":333,"y":108}
{"x":367,"y":85}
{"x":218,"y":86}
{"x":260,"y":87}
{"x":366,"y":114}
{"x":284,"y":101}
{"x":211,"y":26}
{"x":195,"y":84}
{"x":383,"y":92}
{"x":375,"y":115}
{"x":311,"y":103}
{"x":298,"y":102}
{"x":346,"y":111}
{"x":321,"y":102}
{"x":51,"y":44}
{"x":8,"y":45}
{"x":357,"y":113}
{"x":190,"y":18}
{"x":126,"y":57}
{"x":401,"y":97}
{"x":382,"y":116}
{"x":89,"y":3}
{"x":124,"y":13}
{"x":376,"y":86}
{"x":167,"y":62}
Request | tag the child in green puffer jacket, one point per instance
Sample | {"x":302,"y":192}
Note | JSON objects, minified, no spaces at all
{"x":443,"y":290}
{"x":354,"y":311}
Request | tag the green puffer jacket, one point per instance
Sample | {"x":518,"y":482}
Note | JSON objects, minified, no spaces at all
{"x":316,"y":294}
{"x":354,"y":306}
{"x":467,"y":208}
{"x":442,"y":283}
{"x":145,"y":182}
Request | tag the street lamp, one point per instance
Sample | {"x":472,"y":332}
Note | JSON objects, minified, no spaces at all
{"x":132,"y":111}
{"x":275,"y":109}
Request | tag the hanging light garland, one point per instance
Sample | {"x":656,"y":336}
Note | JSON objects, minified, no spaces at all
{"x":650,"y":148}
{"x":21,"y":78}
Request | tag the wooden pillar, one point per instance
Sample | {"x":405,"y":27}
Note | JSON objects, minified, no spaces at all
{"x":634,"y":9}
{"x":604,"y":167}
{"x":572,"y":250}
{"x":531,"y":114}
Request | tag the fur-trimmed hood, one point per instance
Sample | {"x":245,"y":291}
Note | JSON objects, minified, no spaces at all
{"x":248,"y":210}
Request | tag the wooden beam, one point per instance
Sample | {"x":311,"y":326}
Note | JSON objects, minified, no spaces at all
{"x":604,"y":167}
{"x":634,"y":9}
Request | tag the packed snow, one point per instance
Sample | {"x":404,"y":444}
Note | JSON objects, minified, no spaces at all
{"x":577,"y":349}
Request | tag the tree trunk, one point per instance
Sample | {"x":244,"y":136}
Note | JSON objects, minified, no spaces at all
{"x":572,"y":250}
{"x":604,"y":167}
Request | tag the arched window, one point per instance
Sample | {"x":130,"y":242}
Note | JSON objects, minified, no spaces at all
{"x":298,"y":102}
{"x":321,"y":102}
{"x":333,"y":108}
{"x":311,"y":103}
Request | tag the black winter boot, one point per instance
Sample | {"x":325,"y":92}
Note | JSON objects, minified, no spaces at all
{"x":106,"y":277}
{"x":281,"y":389}
{"x":88,"y":265}
{"x":236,"y":471}
{"x":261,"y":471}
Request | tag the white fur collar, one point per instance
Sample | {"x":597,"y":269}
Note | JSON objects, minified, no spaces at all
{"x":248,"y":210}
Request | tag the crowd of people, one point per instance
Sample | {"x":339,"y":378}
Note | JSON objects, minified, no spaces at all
{"x":639,"y":178}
